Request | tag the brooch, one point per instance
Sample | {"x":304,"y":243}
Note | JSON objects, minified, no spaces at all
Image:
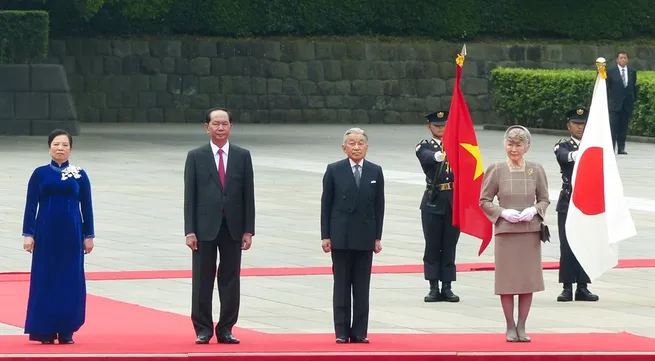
{"x":530,"y":171}
{"x":71,"y":172}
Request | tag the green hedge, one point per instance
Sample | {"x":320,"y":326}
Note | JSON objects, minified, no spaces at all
{"x":437,"y":19}
{"x":540,"y":98}
{"x":23,"y":36}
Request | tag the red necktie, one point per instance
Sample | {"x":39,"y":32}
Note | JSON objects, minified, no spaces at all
{"x":221,"y":167}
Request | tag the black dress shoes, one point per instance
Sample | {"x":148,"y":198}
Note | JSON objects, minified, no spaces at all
{"x":229,"y":339}
{"x":342,"y":340}
{"x":358,"y":340}
{"x":202,"y":340}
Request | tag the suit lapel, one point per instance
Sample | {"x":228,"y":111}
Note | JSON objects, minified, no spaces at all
{"x":366,"y":175}
{"x":231,"y":163}
{"x":210,"y":163}
{"x":365,"y":178}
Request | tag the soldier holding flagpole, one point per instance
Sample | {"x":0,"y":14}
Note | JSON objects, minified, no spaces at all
{"x":440,"y":235}
{"x":598,"y":217}
{"x":566,"y":153}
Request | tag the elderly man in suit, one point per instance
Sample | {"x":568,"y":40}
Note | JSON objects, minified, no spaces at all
{"x":352,"y":214}
{"x":219,"y":217}
{"x":622,"y":96}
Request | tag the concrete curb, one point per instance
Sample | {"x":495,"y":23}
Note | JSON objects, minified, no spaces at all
{"x":563,"y":133}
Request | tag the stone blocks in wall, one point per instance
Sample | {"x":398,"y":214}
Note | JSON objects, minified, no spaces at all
{"x":299,"y":81}
{"x":35,"y":99}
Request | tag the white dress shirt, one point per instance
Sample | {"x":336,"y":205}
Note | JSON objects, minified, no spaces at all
{"x":226,"y":151}
{"x":353,"y":164}
{"x":623,"y":69}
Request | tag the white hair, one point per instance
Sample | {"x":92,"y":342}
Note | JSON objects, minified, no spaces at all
{"x":518,"y":134}
{"x":354,"y":131}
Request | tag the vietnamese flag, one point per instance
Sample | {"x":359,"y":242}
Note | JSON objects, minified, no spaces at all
{"x":598,"y":216}
{"x":463,"y":154}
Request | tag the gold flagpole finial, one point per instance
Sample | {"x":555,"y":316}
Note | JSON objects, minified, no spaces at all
{"x":601,"y":66}
{"x":461,"y":56}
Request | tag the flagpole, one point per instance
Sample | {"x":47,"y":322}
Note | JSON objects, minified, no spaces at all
{"x":601,"y":70}
{"x":459,"y":60}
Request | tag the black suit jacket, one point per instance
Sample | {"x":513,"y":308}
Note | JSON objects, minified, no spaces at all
{"x":562,"y":149}
{"x":205,"y":198}
{"x":621,"y":98}
{"x":352,"y":217}
{"x":437,"y":202}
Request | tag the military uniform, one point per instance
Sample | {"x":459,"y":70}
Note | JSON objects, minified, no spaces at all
{"x":570,"y":270}
{"x":436,"y":216}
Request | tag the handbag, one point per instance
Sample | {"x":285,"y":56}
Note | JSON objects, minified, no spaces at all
{"x":544,"y":233}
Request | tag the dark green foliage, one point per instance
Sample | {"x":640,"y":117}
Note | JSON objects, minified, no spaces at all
{"x":540,"y":98}
{"x":437,"y":19}
{"x":23,"y":36}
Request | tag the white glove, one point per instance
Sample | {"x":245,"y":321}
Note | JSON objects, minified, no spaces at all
{"x":573,"y":155}
{"x":511,"y":215}
{"x":439,"y":157}
{"x":528,"y":214}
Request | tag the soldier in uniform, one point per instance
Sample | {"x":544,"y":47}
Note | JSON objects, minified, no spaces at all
{"x":436,"y":213}
{"x":566,"y":152}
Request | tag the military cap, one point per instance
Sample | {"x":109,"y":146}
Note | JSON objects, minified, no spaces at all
{"x":577,"y":115}
{"x":437,"y":118}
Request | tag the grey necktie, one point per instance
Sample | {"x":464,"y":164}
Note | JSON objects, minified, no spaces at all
{"x":358,"y":174}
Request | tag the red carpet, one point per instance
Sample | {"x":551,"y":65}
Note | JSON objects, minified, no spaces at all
{"x":123,"y":329}
{"x":303,"y":271}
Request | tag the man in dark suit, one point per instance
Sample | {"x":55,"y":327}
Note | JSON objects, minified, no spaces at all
{"x":566,"y":153}
{"x":219,"y":217}
{"x":622,"y":95}
{"x":441,"y":237}
{"x":352,"y":214}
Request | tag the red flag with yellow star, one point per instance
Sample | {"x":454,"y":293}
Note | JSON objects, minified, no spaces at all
{"x":463,"y":154}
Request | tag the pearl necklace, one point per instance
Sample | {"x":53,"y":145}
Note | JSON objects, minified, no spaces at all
{"x":513,"y":166}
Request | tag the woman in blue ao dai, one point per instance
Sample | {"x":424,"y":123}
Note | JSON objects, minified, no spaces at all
{"x":59,"y":230}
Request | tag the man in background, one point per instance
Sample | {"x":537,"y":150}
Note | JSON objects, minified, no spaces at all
{"x":352,"y":216}
{"x":622,"y":96}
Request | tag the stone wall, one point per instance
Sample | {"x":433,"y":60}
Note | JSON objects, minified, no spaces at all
{"x":35,"y":100}
{"x":302,"y":81}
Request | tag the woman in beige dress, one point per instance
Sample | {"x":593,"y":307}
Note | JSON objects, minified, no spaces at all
{"x":522,"y":191}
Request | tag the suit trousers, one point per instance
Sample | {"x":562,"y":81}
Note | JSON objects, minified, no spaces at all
{"x":619,"y":122}
{"x":229,"y":283}
{"x":351,"y":274}
{"x":570,"y":270}
{"x":440,"y":246}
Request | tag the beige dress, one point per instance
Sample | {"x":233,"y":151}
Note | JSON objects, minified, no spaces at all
{"x":517,"y":246}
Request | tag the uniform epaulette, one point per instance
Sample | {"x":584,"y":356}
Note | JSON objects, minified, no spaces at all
{"x":420,"y":144}
{"x":560,"y":142}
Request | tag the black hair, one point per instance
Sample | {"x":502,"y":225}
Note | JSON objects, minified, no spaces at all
{"x":57,"y":132}
{"x":622,"y":52}
{"x":209,"y":112}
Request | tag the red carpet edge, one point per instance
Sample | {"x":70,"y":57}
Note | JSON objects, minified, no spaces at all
{"x":303,"y":271}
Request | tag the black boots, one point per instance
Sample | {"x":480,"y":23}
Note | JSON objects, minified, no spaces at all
{"x":446,"y":293}
{"x":582,"y":293}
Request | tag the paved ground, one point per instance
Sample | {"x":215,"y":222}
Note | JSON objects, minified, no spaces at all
{"x":136,"y":172}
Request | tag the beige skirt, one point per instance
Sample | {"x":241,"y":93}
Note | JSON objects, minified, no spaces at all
{"x":518,"y":268}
